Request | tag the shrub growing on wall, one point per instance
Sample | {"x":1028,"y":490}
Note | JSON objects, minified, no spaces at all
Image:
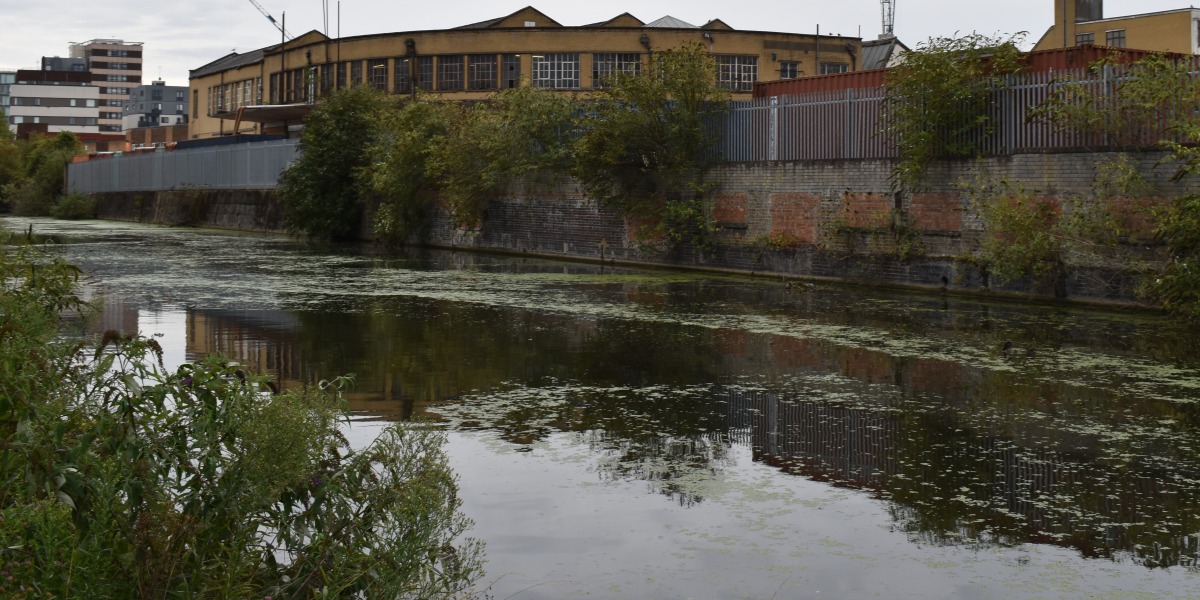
{"x":939,"y":98}
{"x":643,"y":143}
{"x":322,"y":192}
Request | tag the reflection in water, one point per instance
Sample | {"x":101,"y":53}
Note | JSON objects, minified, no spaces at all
{"x":977,"y":424}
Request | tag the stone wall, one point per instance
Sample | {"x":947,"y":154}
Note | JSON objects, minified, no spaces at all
{"x":836,"y":220}
{"x":255,"y":210}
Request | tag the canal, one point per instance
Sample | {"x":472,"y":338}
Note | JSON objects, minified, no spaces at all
{"x":635,"y":433}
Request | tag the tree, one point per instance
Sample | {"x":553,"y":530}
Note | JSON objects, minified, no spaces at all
{"x":322,"y":192}
{"x":938,"y":99}
{"x":38,"y":180}
{"x":645,"y":143}
{"x":399,"y":172}
{"x":517,"y":133}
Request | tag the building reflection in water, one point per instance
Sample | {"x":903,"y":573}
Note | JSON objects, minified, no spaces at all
{"x":932,"y":445}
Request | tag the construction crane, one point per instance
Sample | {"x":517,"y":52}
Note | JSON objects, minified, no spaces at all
{"x":889,"y":17}
{"x":271,"y":19}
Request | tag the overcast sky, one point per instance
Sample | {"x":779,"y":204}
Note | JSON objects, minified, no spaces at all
{"x":179,"y":36}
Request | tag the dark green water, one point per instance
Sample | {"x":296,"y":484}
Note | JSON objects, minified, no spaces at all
{"x":648,"y":434}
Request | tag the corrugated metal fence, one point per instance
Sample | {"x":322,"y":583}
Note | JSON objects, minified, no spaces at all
{"x":251,"y":166}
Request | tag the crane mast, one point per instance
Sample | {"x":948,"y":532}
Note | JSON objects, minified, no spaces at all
{"x":889,"y":17}
{"x":271,"y":19}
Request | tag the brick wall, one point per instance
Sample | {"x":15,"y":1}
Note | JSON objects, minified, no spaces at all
{"x":837,"y":220}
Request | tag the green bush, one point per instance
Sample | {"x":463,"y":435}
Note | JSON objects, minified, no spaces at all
{"x":119,"y":478}
{"x":74,"y":206}
{"x":322,"y":192}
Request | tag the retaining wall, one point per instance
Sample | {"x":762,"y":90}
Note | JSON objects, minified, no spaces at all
{"x":838,"y":220}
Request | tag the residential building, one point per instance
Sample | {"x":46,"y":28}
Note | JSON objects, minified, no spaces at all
{"x":7,"y":78}
{"x":116,"y":68}
{"x":155,"y":105}
{"x":58,"y":100}
{"x":473,"y":61}
{"x":1082,"y":22}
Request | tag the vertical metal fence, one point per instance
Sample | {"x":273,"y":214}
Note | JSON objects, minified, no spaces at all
{"x":851,"y":123}
{"x":250,"y":166}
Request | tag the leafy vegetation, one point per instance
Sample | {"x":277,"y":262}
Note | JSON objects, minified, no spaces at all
{"x":1139,"y":104}
{"x":938,"y":99}
{"x":322,"y":191}
{"x":122,"y":478}
{"x":1176,"y":286}
{"x":641,"y":147}
{"x":32,"y":171}
{"x":643,"y":144}
{"x":431,"y":150}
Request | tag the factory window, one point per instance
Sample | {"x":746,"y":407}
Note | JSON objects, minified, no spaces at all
{"x":356,"y":73}
{"x":789,"y":70}
{"x":1085,"y":38}
{"x":340,"y":69}
{"x":326,"y":79}
{"x":604,"y":65}
{"x":402,"y":78}
{"x":377,"y":73}
{"x":737,"y":73}
{"x":425,"y":73}
{"x":511,"y":70}
{"x":829,"y":68}
{"x":1115,"y":38}
{"x":556,"y":71}
{"x":450,"y":73}
{"x":482,"y":71}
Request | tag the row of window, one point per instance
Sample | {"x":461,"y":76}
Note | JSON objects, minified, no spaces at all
{"x":118,"y":53}
{"x":57,"y":102}
{"x":1114,"y":38}
{"x":157,"y":94}
{"x":80,"y":121}
{"x":232,"y":96}
{"x":491,"y":72}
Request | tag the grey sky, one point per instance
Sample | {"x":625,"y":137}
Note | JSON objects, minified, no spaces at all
{"x":179,"y":36}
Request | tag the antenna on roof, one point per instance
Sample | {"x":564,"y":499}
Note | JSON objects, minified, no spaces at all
{"x":889,"y":18}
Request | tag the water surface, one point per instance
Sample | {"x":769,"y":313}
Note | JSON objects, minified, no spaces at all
{"x":625,"y":432}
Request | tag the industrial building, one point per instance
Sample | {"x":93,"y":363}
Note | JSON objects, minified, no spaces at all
{"x":1082,"y":22}
{"x":475,"y":60}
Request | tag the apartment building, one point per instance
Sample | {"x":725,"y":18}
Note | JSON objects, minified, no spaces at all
{"x":116,"y":68}
{"x":7,"y":78}
{"x":58,"y":100}
{"x":475,"y":60}
{"x":155,"y":105}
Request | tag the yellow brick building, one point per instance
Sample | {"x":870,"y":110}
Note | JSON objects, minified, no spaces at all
{"x":473,"y":61}
{"x":1079,"y":22}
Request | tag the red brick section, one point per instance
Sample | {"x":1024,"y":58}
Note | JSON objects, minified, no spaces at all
{"x":867,"y":211}
{"x":732,"y":342}
{"x":730,"y":208}
{"x":791,"y":352}
{"x":870,"y":366}
{"x":936,"y":212}
{"x":794,"y":216}
{"x":1135,"y":216}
